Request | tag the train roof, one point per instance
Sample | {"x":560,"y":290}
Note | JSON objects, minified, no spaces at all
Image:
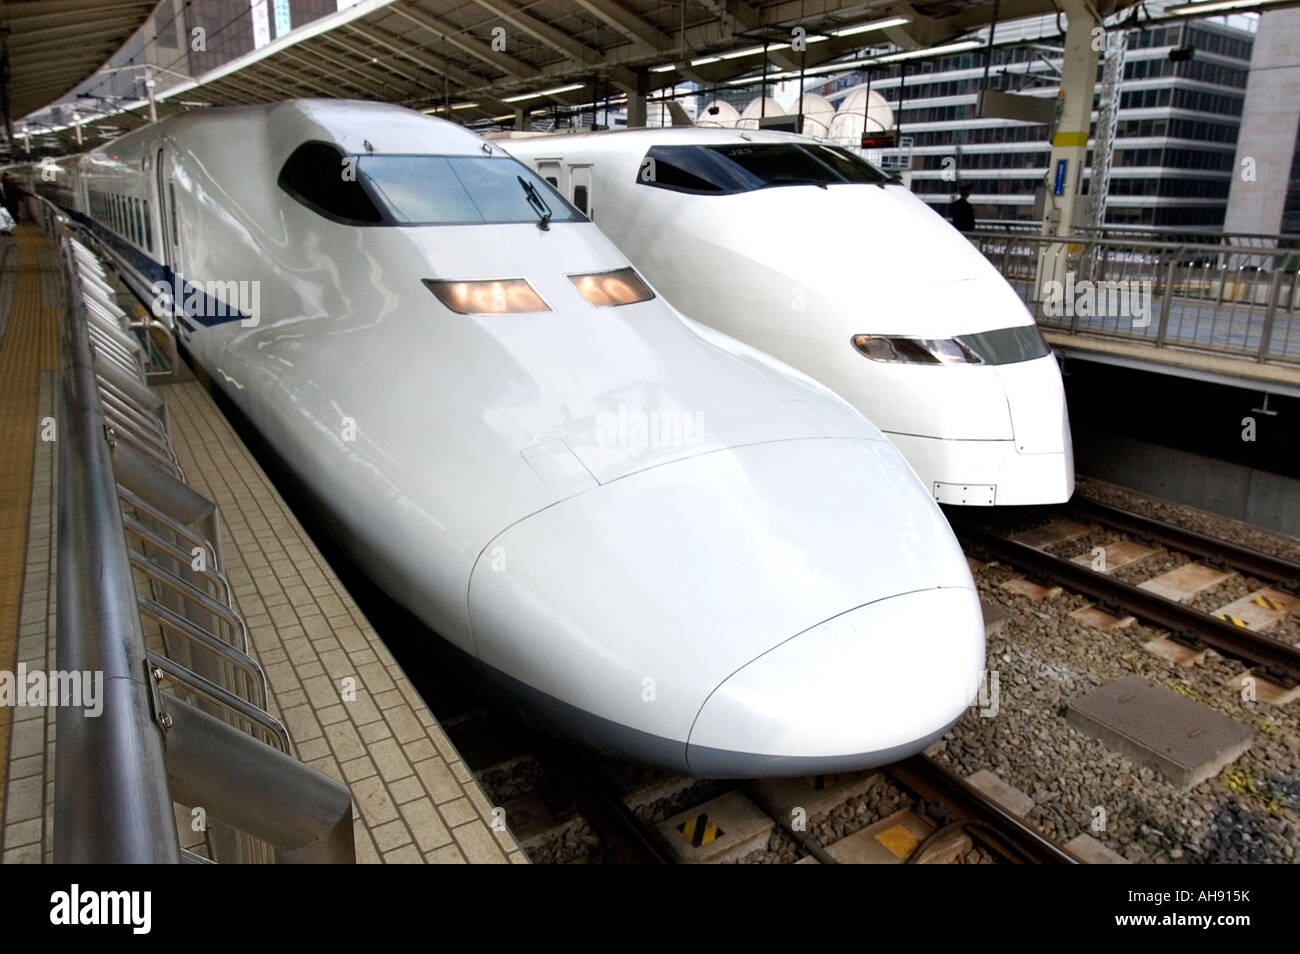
{"x":614,"y":140}
{"x":357,"y":126}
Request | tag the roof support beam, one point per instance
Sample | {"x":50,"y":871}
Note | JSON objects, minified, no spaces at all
{"x":392,"y":43}
{"x":34,"y":9}
{"x":320,"y":81}
{"x":248,"y":94}
{"x":513,"y":68}
{"x":458,"y":78}
{"x":78,"y":32}
{"x":629,"y":24}
{"x":380,"y":74}
{"x":543,"y":32}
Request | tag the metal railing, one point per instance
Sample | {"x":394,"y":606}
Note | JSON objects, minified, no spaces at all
{"x":142,"y":599}
{"x":1236,"y":301}
{"x":1179,"y":235}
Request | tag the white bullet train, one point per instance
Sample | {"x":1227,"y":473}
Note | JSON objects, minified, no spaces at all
{"x":659,"y":540}
{"x":803,"y":250}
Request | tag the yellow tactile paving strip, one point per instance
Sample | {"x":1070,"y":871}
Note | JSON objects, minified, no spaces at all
{"x":28,"y":821}
{"x":28,"y":348}
{"x":415,"y":800}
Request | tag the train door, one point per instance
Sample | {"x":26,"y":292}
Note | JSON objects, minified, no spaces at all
{"x":580,"y":189}
{"x":549,"y":169}
{"x":171,"y":241}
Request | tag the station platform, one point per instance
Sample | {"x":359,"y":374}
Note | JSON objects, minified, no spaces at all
{"x":1197,"y":365}
{"x":414,"y":800}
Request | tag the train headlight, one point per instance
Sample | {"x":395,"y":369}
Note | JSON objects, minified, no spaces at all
{"x":623,"y":286}
{"x":499,"y":296}
{"x":915,"y":350}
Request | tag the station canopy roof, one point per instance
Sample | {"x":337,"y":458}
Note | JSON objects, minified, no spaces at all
{"x":488,"y":58}
{"x":51,"y":46}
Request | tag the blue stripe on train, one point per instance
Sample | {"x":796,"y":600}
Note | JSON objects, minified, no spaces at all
{"x":154,"y":271}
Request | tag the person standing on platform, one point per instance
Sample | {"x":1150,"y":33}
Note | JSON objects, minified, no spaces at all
{"x":9,"y":196}
{"x":962,"y":212}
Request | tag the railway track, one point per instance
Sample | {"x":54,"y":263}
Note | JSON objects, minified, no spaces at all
{"x":1228,"y":634}
{"x":1282,"y":572}
{"x":983,"y":818}
{"x":572,"y":807}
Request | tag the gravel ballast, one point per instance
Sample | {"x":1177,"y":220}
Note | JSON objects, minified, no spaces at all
{"x":1247,"y":813}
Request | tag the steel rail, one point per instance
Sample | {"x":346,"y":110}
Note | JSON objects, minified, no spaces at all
{"x":1225,"y":637}
{"x":614,"y":823}
{"x":983,"y":818}
{"x":1252,"y":562}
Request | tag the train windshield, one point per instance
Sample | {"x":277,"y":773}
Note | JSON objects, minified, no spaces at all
{"x":418,"y":189}
{"x":459,"y":190}
{"x":730,"y":168}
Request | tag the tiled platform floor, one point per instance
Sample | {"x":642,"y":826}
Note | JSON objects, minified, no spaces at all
{"x":27,"y":358}
{"x":414,"y":800}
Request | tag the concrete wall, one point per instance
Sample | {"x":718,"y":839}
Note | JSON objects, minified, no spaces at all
{"x":1269,"y":122}
{"x":1255,"y":496}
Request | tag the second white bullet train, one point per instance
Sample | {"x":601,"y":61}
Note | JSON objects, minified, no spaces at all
{"x":808,"y":252}
{"x":662,"y":541}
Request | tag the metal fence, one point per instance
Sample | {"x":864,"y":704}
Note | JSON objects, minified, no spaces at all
{"x":1179,"y":235}
{"x":143,"y":600}
{"x":1237,"y":300}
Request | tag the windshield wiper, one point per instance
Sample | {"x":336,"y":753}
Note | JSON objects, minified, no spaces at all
{"x":537,"y":203}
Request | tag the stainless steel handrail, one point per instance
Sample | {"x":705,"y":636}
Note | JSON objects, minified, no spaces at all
{"x":116,"y":776}
{"x":186,"y":590}
{"x":204,"y":686}
{"x":187,"y":629}
{"x":174,"y":526}
{"x":111,"y":798}
{"x":1185,"y":234}
{"x":1232,"y":301}
{"x":181,"y":555}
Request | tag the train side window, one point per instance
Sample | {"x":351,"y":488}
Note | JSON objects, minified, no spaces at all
{"x":316,"y":176}
{"x":148,"y":228}
{"x":580,"y":198}
{"x":176,"y":232}
{"x":692,"y":169}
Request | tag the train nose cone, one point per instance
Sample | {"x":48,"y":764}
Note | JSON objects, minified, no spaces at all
{"x":866,"y":688}
{"x":622,"y":609}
